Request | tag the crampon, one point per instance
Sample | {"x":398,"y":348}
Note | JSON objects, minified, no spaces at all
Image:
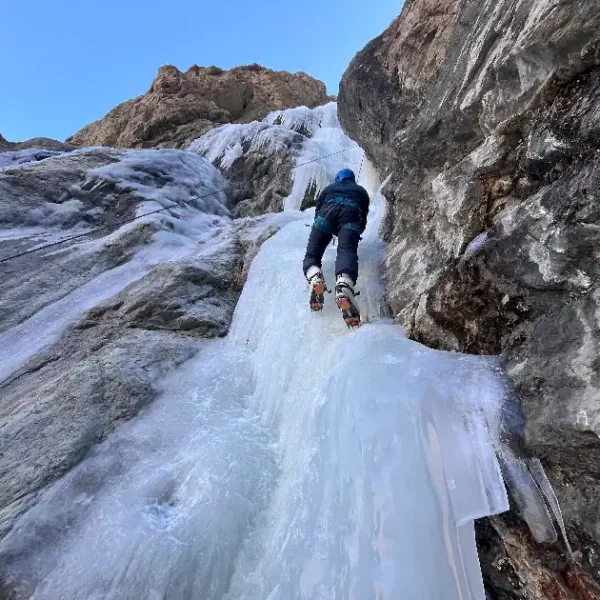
{"x":317,"y":289}
{"x":350,"y":312}
{"x":317,"y":296}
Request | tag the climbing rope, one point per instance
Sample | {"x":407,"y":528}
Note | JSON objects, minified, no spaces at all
{"x":152,"y":212}
{"x":361,"y":166}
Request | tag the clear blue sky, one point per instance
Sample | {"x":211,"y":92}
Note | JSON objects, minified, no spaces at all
{"x":66,"y":63}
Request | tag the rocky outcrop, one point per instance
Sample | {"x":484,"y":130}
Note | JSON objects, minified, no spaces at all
{"x":487,"y":116}
{"x":89,"y":328}
{"x":180,"y":107}
{"x":40,"y":143}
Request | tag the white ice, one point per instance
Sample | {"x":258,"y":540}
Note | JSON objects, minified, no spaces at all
{"x":186,"y":185}
{"x":309,"y":134}
{"x":294,"y":459}
{"x":227,"y":143}
{"x":53,"y":214}
{"x":168,"y":178}
{"x":325,"y":150}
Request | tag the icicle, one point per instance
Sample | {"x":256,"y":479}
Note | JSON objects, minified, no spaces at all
{"x":539,"y":475}
{"x":529,"y":499}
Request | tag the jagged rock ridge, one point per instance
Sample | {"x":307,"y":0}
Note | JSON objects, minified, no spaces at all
{"x":38,"y":143}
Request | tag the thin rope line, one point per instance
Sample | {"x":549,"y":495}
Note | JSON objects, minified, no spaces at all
{"x":361,"y":166}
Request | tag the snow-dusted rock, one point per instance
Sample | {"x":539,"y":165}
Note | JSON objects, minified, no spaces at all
{"x":88,"y":327}
{"x":282,"y":161}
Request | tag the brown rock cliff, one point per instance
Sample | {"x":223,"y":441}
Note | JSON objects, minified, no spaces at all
{"x":180,"y":107}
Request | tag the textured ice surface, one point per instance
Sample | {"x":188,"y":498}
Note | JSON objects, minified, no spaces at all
{"x":310,"y":134}
{"x":294,"y":459}
{"x":167,"y":177}
{"x":325,"y":141}
{"x":228,"y":142}
{"x":385,"y":447}
{"x":15,"y":158}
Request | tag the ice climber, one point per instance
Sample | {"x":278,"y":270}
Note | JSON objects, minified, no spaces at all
{"x":341,"y":210}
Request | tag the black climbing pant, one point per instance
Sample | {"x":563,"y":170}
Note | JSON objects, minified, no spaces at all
{"x":343,"y":221}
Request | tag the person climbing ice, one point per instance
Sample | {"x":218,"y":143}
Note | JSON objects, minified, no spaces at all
{"x":341,"y":210}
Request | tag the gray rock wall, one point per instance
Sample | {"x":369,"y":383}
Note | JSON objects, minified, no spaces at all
{"x":487,"y":115}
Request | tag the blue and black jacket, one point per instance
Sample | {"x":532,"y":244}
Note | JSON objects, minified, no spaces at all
{"x":349,"y":195}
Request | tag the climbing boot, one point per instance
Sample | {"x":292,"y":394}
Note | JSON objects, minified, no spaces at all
{"x":345,"y":300}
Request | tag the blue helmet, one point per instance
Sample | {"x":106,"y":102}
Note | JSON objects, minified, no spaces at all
{"x":345,"y":174}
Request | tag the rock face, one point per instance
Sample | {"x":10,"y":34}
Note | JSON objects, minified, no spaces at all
{"x":180,"y":107}
{"x":89,"y":328}
{"x":487,"y":116}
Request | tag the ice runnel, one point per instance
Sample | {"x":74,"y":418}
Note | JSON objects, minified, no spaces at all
{"x":292,"y":460}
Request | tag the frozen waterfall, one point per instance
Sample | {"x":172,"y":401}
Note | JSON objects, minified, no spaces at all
{"x":292,"y":460}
